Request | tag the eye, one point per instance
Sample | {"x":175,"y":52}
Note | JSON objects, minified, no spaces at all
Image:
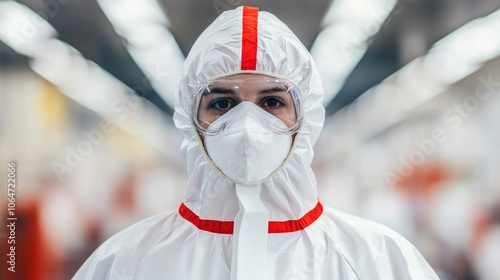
{"x":221,"y":104}
{"x":272,"y":102}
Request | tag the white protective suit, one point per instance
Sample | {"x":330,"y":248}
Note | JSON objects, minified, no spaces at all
{"x":305,"y":240}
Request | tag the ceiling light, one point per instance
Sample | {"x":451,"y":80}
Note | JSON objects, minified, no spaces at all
{"x":143,"y":26}
{"x":348,"y":27}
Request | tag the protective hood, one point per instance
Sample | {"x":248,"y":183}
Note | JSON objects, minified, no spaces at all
{"x":247,"y":41}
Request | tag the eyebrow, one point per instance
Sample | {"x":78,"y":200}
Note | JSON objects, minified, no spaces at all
{"x":273,"y":90}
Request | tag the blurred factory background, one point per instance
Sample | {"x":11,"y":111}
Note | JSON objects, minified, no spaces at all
{"x":411,"y":140}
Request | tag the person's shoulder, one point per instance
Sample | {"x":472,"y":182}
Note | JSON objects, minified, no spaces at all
{"x":126,"y":248}
{"x":353,"y":226}
{"x":348,"y":229}
{"x":147,"y":229}
{"x":374,"y":250}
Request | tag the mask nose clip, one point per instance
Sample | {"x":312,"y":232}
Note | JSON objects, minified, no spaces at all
{"x":223,"y":126}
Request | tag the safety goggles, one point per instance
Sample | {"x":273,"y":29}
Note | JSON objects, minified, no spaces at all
{"x":278,"y":97}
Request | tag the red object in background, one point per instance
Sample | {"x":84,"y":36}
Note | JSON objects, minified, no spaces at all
{"x":481,"y":227}
{"x":424,"y":180}
{"x":35,"y":258}
{"x":124,"y":197}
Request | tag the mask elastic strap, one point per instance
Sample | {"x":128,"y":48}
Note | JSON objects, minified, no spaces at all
{"x":250,"y":235}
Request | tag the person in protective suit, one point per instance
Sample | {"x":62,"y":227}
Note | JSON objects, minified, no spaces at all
{"x":250,"y":109}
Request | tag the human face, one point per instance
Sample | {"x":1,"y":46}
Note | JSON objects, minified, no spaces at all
{"x":276,"y":97}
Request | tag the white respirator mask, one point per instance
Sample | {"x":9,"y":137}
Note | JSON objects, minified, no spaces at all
{"x":246,"y":149}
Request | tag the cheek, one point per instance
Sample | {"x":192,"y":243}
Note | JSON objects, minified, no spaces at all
{"x":205,"y":118}
{"x":291,"y":114}
{"x":288,"y":117}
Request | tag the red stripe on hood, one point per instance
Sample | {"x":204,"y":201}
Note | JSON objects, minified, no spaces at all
{"x":249,"y":38}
